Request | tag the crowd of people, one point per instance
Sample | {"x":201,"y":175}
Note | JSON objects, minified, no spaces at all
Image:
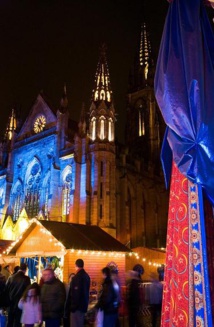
{"x":50,"y":303}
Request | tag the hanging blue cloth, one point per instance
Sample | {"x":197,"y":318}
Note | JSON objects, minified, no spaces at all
{"x":184,"y":83}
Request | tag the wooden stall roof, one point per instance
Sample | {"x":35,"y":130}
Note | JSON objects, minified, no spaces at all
{"x":76,"y":236}
{"x":4,"y":245}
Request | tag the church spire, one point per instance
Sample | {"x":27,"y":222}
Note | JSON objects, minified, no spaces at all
{"x":144,"y":55}
{"x":102,"y":113}
{"x":102,"y":87}
{"x":143,"y":67}
{"x":11,"y":126}
{"x":82,"y":122}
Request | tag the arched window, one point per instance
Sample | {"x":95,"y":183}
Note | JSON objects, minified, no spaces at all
{"x":93,"y":128}
{"x":66,"y":192}
{"x":17,"y":203}
{"x":33,"y":191}
{"x":102,"y":95}
{"x":141,"y":123}
{"x":142,"y":117}
{"x":47,"y":193}
{"x":96,"y":95}
{"x":110,"y":130}
{"x":102,"y":128}
{"x":2,"y":190}
{"x":108,"y":96}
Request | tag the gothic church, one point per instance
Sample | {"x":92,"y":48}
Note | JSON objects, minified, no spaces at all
{"x":56,"y":169}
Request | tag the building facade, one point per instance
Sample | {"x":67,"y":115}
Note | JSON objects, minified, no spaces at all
{"x":54,"y":168}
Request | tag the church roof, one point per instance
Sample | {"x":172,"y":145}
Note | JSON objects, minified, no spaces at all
{"x":76,"y":236}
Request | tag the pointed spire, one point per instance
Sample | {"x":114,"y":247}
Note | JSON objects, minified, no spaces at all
{"x":11,"y":126}
{"x":145,"y":56}
{"x":64,"y":99}
{"x":142,"y":73}
{"x":102,"y":88}
{"x":82,"y":121}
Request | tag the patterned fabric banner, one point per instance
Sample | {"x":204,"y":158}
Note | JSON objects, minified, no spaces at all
{"x":186,"y":300}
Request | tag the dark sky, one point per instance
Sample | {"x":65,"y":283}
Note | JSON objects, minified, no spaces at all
{"x":45,"y":43}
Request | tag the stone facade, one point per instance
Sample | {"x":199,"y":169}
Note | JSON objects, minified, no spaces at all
{"x":56,"y":169}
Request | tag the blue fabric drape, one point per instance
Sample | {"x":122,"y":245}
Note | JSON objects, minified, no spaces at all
{"x":184,"y":91}
{"x":32,"y":264}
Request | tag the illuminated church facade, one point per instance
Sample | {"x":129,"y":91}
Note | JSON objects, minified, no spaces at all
{"x":56,"y":169}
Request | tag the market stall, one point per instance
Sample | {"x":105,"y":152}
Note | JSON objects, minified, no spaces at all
{"x":56,"y":244}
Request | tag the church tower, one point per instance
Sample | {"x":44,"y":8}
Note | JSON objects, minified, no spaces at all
{"x":144,"y":121}
{"x":141,"y":194}
{"x":102,"y":149}
{"x":6,"y":161}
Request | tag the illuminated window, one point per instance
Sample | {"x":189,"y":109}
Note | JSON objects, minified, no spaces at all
{"x":47,"y":192}
{"x":102,"y":95}
{"x":2,"y":196}
{"x":17,"y":204}
{"x":141,"y":124}
{"x":146,"y":70}
{"x":93,"y":129}
{"x":66,"y":194}
{"x":102,"y":128}
{"x":110,"y":130}
{"x":108,"y":96}
{"x":96,"y":95}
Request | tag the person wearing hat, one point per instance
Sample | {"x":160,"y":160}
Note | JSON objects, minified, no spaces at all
{"x":79,"y":295}
{"x":15,"y":287}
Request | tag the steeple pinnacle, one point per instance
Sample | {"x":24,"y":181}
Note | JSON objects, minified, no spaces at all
{"x":144,"y":50}
{"x":82,"y":121}
{"x":102,"y":88}
{"x":11,"y":126}
{"x":142,"y":73}
{"x":64,"y":99}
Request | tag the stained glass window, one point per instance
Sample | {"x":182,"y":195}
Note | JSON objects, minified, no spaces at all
{"x":33,"y":191}
{"x":66,"y":194}
{"x":17,"y":204}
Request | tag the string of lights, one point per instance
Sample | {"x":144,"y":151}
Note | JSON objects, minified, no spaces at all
{"x":57,"y":243}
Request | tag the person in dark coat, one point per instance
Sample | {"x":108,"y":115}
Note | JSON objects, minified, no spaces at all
{"x":66,"y":318}
{"x":15,"y":287}
{"x":133,"y":298}
{"x":108,"y":301}
{"x":6,"y":271}
{"x":52,"y":298}
{"x":79,"y":295}
{"x":2,"y":288}
{"x":156,"y":293}
{"x":15,"y":269}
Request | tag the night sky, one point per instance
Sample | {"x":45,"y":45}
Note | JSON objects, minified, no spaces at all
{"x":45,"y":43}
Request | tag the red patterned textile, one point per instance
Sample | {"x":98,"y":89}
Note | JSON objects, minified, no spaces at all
{"x":209,"y":222}
{"x":175,"y":310}
{"x":187,"y":286}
